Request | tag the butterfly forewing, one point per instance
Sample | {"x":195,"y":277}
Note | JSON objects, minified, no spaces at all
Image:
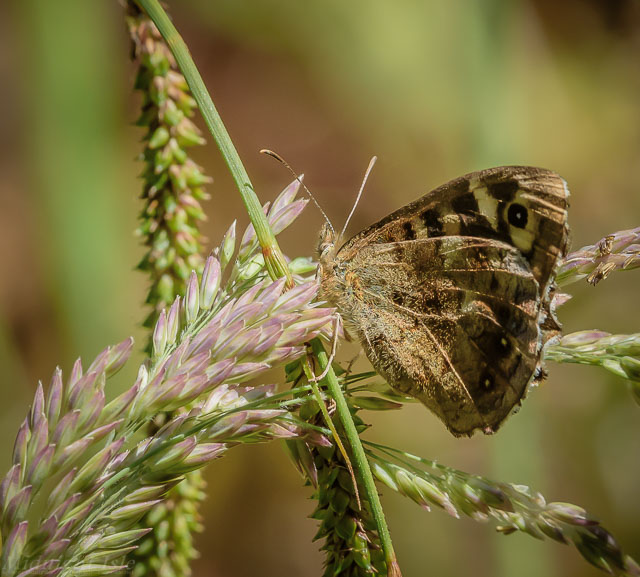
{"x":448,"y":295}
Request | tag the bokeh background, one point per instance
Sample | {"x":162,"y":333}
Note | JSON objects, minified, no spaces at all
{"x":435,"y":89}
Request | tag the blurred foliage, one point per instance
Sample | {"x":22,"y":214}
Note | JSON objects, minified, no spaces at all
{"x":434,"y":89}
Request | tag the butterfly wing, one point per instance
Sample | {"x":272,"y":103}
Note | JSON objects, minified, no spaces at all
{"x":450,"y":294}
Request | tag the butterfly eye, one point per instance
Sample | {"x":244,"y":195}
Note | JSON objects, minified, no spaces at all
{"x":517,"y":215}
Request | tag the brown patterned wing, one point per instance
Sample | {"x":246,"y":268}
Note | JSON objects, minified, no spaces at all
{"x":523,"y":206}
{"x":449,"y":295}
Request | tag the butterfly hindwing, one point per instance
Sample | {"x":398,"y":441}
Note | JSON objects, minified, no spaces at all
{"x":448,"y":295}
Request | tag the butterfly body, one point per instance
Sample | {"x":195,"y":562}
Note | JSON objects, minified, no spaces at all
{"x":450,"y":295}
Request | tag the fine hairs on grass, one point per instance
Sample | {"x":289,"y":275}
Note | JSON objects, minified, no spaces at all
{"x":90,"y":479}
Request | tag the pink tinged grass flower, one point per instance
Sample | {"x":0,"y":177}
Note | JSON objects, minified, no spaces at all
{"x":219,"y":371}
{"x":10,"y":485}
{"x":71,"y":452}
{"x":278,"y":210}
{"x":118,"y":356}
{"x":40,"y":468}
{"x":192,"y":300}
{"x":435,"y":496}
{"x":569,"y":513}
{"x":582,"y":338}
{"x":21,"y":443}
{"x":54,"y":398}
{"x":175,"y":454}
{"x":285,"y":216}
{"x":406,"y":486}
{"x":76,"y":373}
{"x":159,"y":338}
{"x":63,"y":528}
{"x":204,"y":453}
{"x":242,"y":339}
{"x":118,"y":405}
{"x":46,"y":569}
{"x":16,"y":508}
{"x":36,"y":414}
{"x":84,"y":388}
{"x":210,"y":282}
{"x":13,"y":547}
{"x":245,"y":371}
{"x":227,"y":246}
{"x":173,"y":321}
{"x":37,"y":441}
{"x":92,"y":410}
{"x":57,"y":548}
{"x":288,"y":195}
{"x":59,"y":493}
{"x":94,"y":467}
{"x":617,"y":251}
{"x":101,"y":361}
{"x":60,"y":512}
{"x":65,"y":429}
{"x":296,"y":298}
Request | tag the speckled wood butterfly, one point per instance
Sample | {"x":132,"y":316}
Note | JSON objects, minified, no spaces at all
{"x":450,"y":295}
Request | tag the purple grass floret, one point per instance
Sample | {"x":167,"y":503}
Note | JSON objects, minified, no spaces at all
{"x":40,"y":466}
{"x":20,"y":444}
{"x":65,"y":430}
{"x":227,"y":246}
{"x":287,"y":196}
{"x":210,"y":282}
{"x":10,"y":485}
{"x":54,"y":398}
{"x":46,"y":569}
{"x":617,"y":251}
{"x":234,"y":328}
{"x":13,"y":547}
{"x":192,"y":299}
{"x":37,"y":409}
{"x":173,"y":320}
{"x":118,"y":356}
{"x":76,"y":373}
{"x":159,"y":338}
{"x":16,"y":508}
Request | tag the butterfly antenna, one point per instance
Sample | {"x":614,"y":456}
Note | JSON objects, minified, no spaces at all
{"x":355,"y":204}
{"x":299,"y":179}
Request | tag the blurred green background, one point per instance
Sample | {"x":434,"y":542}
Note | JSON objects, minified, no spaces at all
{"x":435,"y":89}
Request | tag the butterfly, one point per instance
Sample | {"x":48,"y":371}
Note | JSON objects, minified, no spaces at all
{"x":451,"y":295}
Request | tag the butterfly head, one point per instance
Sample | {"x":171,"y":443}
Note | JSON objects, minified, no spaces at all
{"x":326,"y":244}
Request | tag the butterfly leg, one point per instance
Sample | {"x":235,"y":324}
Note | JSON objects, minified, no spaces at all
{"x":334,"y":348}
